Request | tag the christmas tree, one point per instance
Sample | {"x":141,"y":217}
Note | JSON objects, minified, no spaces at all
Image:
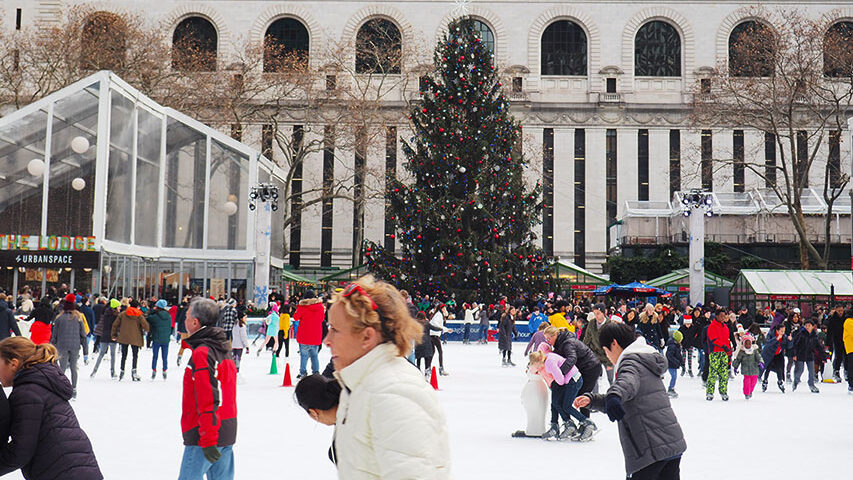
{"x":466,"y":221}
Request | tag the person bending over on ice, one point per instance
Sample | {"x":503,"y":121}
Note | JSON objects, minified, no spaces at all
{"x":389,"y":422}
{"x":47,"y":442}
{"x":564,"y":389}
{"x":652,"y":440}
{"x":319,"y":396}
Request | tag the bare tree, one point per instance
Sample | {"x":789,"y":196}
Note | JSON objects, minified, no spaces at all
{"x":790,"y":79}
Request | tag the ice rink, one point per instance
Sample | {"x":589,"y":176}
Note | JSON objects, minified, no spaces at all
{"x":135,"y":429}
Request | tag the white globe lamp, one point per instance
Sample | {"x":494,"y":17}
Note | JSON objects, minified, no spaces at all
{"x":79,"y":144}
{"x":229,"y":208}
{"x":78,"y":184}
{"x":36,"y":167}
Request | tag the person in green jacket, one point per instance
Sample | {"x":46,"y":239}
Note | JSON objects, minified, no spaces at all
{"x":751,"y":363}
{"x":161,"y":332}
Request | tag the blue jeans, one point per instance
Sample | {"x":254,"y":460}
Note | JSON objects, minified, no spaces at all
{"x":194,"y":466}
{"x":466,"y":332}
{"x":306,"y":351}
{"x":164,"y":349}
{"x":702,"y":358}
{"x":562,"y":397}
{"x":673,"y":376}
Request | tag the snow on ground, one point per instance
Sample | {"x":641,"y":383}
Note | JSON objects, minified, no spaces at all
{"x":135,"y":429}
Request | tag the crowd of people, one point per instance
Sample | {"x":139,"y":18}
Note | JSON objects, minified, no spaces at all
{"x":375,"y":334}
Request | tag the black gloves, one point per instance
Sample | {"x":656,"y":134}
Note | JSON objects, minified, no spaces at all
{"x":211,"y":453}
{"x":613,"y":408}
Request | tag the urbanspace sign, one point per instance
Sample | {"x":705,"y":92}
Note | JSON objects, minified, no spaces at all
{"x":35,"y":251}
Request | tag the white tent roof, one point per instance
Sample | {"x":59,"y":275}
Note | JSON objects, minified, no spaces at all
{"x":799,"y":282}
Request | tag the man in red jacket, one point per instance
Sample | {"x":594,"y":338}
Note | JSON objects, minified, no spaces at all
{"x":720,"y":347}
{"x":209,"y":406}
{"x":310,"y":314}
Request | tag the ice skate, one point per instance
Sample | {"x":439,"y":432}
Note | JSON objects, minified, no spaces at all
{"x":788,"y":379}
{"x":672,"y":393}
{"x":73,"y":394}
{"x":764,"y":385}
{"x":92,"y":375}
{"x":134,"y":376}
{"x":814,"y":389}
{"x":164,"y":374}
{"x":794,"y":387}
{"x":587,"y":431}
{"x":509,"y":363}
{"x":113,"y":374}
{"x":121,"y":376}
{"x":709,"y":397}
{"x":153,"y":374}
{"x":552,"y":432}
{"x":503,"y":363}
{"x":179,"y":360}
{"x":836,"y":376}
{"x":442,"y":372}
{"x":747,"y":396}
{"x":570,"y":431}
{"x":781,"y":385}
{"x":690,"y":373}
{"x":683,"y":371}
{"x":725,"y":397}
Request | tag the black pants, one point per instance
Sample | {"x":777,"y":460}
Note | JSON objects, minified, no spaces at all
{"x":838,"y":359}
{"x":662,"y":470}
{"x":776,"y":365}
{"x":427,"y":363}
{"x":590,"y":381}
{"x":124,"y":355}
{"x":849,"y":368}
{"x":436,"y":341}
{"x":285,"y":342}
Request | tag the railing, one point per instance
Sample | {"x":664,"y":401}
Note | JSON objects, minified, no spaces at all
{"x":610,"y":97}
{"x":518,"y":96}
{"x":731,"y":238}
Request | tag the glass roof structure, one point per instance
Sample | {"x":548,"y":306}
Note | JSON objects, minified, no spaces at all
{"x":741,"y":203}
{"x":802,"y":283}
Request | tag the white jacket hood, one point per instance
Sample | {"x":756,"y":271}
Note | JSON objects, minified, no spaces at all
{"x":639,"y":346}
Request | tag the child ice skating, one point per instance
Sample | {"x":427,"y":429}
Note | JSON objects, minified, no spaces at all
{"x":674,"y":359}
{"x":773,"y":354}
{"x":534,"y":398}
{"x":750,"y":362}
{"x":651,"y":437}
{"x":564,"y":389}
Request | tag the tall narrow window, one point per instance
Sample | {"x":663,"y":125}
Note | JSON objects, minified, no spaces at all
{"x":267,"y":137}
{"x":738,"y":166}
{"x":328,"y":202}
{"x":390,"y":177}
{"x":358,"y":197}
{"x":610,"y":179}
{"x":769,"y":160}
{"x":548,"y":191}
{"x":580,"y":197}
{"x":194,"y":46}
{"x":707,"y":166}
{"x":296,"y":202}
{"x":643,"y":165}
{"x":674,"y":162}
{"x":834,"y":161}
{"x":563,"y":49}
{"x":17,"y":19}
{"x":802,"y":161}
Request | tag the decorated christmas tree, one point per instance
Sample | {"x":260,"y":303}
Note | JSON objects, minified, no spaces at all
{"x":465,"y":221}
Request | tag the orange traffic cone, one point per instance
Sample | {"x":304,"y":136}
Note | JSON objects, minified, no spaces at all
{"x":434,"y":379}
{"x":287,"y":382}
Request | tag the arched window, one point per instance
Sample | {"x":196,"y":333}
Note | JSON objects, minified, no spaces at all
{"x":838,"y":50}
{"x":486,"y":35}
{"x":194,"y":45}
{"x":563,"y":49}
{"x":751,"y":50}
{"x":286,"y":46}
{"x":378,"y":47}
{"x":103,"y":42}
{"x":657,"y":50}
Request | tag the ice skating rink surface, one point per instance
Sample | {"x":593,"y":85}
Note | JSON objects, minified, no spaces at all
{"x":135,"y":430}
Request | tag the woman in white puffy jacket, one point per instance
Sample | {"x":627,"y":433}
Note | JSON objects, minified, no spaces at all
{"x":389,"y":422}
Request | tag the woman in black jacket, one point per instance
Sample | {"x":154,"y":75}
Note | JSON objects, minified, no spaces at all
{"x":506,"y":332}
{"x":47,"y":442}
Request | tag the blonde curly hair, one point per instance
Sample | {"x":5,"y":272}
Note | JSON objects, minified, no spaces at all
{"x":391,"y":319}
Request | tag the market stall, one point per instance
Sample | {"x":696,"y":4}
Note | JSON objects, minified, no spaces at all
{"x":677,"y":282}
{"x":804,"y":289}
{"x":569,"y":277}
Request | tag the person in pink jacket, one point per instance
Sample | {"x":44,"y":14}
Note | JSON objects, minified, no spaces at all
{"x":310,"y":314}
{"x":564,"y":389}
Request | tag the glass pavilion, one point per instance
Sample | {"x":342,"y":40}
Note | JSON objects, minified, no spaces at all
{"x":104,"y":190}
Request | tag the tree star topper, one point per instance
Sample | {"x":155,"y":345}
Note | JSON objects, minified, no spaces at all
{"x":461,"y":8}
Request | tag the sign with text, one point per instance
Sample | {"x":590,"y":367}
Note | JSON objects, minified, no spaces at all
{"x":583,"y":287}
{"x":783,"y":297}
{"x":60,"y":243}
{"x":36,"y":258}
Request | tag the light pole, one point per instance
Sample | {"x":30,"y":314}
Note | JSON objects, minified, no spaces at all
{"x":696,"y":206}
{"x":267,"y":195}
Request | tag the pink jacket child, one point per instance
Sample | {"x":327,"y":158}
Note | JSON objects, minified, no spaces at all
{"x":550,"y":369}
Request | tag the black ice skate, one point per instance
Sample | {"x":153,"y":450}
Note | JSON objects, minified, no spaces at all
{"x":587,"y":431}
{"x":570,"y":431}
{"x":552,"y":432}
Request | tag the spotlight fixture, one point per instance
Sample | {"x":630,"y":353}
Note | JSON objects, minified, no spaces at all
{"x":264,"y":192}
